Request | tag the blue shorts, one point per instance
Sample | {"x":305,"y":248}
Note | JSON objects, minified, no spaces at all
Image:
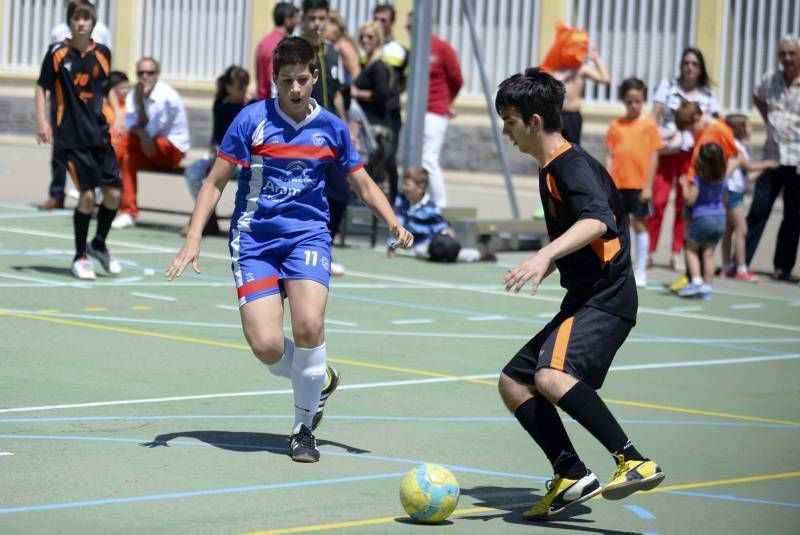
{"x":735,"y":200}
{"x":261,"y":263}
{"x":706,"y":229}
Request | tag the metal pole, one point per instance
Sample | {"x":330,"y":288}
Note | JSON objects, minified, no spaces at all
{"x":501,"y":148}
{"x":417,"y":83}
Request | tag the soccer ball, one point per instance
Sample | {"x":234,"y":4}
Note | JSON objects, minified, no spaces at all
{"x":429,"y":493}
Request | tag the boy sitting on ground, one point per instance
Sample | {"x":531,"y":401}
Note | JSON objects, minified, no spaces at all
{"x":434,"y":239}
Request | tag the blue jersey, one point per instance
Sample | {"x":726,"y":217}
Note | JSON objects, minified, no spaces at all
{"x":424,"y":219}
{"x":282,"y":181}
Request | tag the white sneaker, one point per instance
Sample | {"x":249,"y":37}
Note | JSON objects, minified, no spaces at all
{"x":337,"y":270}
{"x":82,"y":269}
{"x":123,"y":220}
{"x":109,"y":263}
{"x":641,"y":278}
{"x":72,"y":193}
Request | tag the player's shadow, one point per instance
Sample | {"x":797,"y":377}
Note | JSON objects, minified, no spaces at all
{"x":62,"y":271}
{"x":512,"y":502}
{"x":242,"y":441}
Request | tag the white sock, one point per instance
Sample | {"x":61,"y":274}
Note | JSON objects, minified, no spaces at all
{"x":642,"y":246}
{"x":308,"y":380}
{"x":742,"y":268}
{"x":697,"y":280}
{"x":283,"y":368}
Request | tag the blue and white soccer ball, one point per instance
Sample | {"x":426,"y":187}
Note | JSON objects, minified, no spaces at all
{"x":429,"y":493}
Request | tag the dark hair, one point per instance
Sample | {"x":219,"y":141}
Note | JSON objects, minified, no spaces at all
{"x":710,"y":163}
{"x":232,"y":75}
{"x":115,"y":78}
{"x":384,"y":7}
{"x":703,"y":80}
{"x":293,"y":51}
{"x":632,"y":83}
{"x":81,"y":7}
{"x":418,"y":175}
{"x":738,"y":123}
{"x":283,"y":11}
{"x":535,"y":92}
{"x":686,"y":114}
{"x":308,"y":5}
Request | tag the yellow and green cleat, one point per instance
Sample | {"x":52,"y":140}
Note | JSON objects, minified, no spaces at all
{"x":632,"y":476}
{"x":563,"y":493}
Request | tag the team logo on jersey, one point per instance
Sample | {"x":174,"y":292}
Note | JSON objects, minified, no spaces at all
{"x":325,"y":265}
{"x":318,"y":140}
{"x":68,"y":66}
{"x":297,"y":167}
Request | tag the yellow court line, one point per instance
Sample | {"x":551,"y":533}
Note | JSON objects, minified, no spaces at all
{"x":229,"y":345}
{"x":461,"y":512}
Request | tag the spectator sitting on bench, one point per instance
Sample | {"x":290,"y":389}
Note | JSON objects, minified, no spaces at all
{"x":230,"y":99}
{"x":434,"y":239}
{"x":158,"y":134}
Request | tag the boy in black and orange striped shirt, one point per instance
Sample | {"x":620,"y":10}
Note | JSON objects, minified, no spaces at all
{"x":75,"y":73}
{"x":566,"y":362}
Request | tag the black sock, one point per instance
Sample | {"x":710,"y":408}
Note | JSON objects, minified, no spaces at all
{"x":105,"y":217}
{"x":80,"y":223}
{"x":585,"y":406}
{"x":542,"y":422}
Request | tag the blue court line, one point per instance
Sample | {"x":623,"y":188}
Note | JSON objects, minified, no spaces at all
{"x":174,"y":495}
{"x":640,"y":512}
{"x":296,"y":484}
{"x":453,"y":419}
{"x":730,"y":497}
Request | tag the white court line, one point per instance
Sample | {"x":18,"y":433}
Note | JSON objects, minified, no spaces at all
{"x":342,"y":323}
{"x":154,"y":296}
{"x":746,"y":306}
{"x":229,"y":307}
{"x":686,"y":309}
{"x":410,"y":382}
{"x":794,"y":304}
{"x":546,"y":315}
{"x":435,"y":284}
{"x":36,"y":215}
{"x":487,"y":318}
{"x":47,"y":282}
{"x":412,"y":321}
{"x":5,"y":453}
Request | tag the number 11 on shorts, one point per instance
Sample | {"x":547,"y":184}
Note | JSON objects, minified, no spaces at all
{"x":311,"y":257}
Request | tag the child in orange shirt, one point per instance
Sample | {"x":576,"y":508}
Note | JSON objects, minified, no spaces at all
{"x":114,"y":107}
{"x":633,"y":143}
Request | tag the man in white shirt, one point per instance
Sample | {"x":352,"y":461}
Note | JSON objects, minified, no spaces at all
{"x":158,"y":134}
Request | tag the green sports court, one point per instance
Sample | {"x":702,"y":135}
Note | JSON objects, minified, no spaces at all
{"x":133,"y":404}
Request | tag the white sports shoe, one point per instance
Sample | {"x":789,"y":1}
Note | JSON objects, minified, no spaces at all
{"x":337,"y":270}
{"x":82,"y":269}
{"x":641,"y":278}
{"x":109,"y":263}
{"x":123,"y":220}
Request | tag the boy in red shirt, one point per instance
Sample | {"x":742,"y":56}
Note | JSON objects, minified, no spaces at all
{"x":633,"y":143}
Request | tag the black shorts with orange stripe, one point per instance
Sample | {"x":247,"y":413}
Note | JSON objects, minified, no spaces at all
{"x":582,"y":345}
{"x":92,"y":167}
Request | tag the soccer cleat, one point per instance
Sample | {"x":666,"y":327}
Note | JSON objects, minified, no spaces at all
{"x":678,"y":284}
{"x":109,"y":263}
{"x":337,"y":270}
{"x":334,"y":378}
{"x":123,"y":220}
{"x":729,"y":271}
{"x":303,"y":446}
{"x":632,"y":476}
{"x":641,"y":279}
{"x":82,"y":269}
{"x":563,"y":493}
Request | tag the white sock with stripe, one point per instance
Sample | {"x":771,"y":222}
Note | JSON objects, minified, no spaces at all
{"x":283,"y":368}
{"x":308,"y":380}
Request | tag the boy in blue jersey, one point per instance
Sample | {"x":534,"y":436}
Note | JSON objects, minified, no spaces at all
{"x":567,"y":361}
{"x":279,"y":240}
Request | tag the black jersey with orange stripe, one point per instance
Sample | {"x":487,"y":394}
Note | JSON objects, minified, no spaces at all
{"x":77,"y":82}
{"x":575,"y":186}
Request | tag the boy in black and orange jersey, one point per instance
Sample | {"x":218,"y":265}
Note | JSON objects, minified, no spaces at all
{"x":75,"y":72}
{"x":568,"y":360}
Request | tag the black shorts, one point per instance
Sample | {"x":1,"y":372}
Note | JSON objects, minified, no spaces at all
{"x":632,"y":203}
{"x":582,"y":345}
{"x":92,"y":167}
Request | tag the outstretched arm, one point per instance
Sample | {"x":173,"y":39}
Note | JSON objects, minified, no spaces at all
{"x":598,"y":72}
{"x":373,"y":197}
{"x":207,"y":199}
{"x":542,"y":264}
